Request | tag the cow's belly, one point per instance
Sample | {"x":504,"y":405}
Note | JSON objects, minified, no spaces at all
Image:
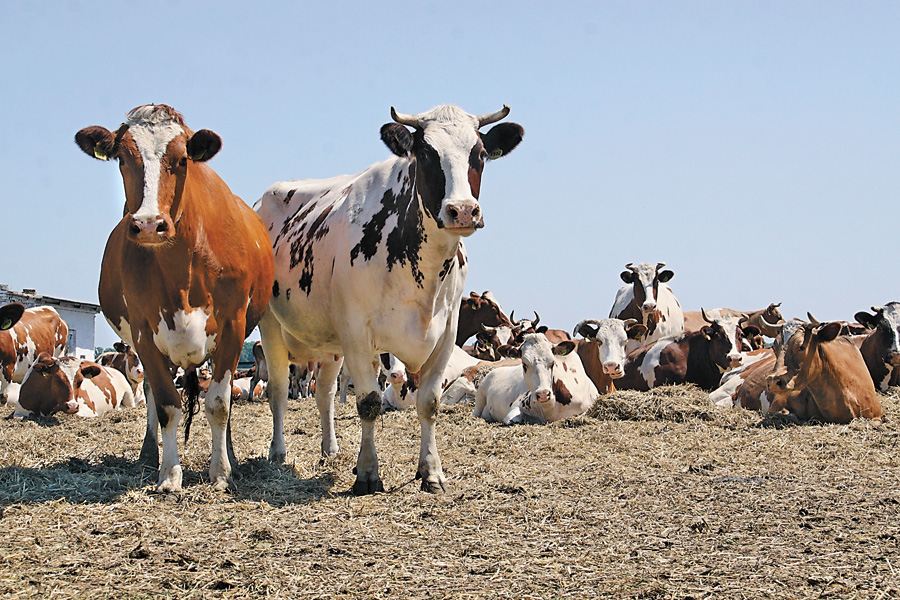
{"x":186,"y":343}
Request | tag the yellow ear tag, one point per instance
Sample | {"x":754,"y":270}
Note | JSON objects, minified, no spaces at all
{"x":7,"y":323}
{"x":496,"y":154}
{"x":100,"y":154}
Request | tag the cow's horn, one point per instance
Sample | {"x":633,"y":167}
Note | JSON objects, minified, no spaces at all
{"x":631,"y":267}
{"x":404,"y":119}
{"x":512,"y":317}
{"x":812,"y":319}
{"x":493,"y":117}
{"x":768,"y":329}
{"x":660,"y":265}
{"x":488,"y":328}
{"x":877,"y":309}
{"x":537,"y":319}
{"x":586,"y":324}
{"x":705,"y":316}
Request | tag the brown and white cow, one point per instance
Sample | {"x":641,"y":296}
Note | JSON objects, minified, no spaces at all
{"x":698,"y":357}
{"x":881,"y":348}
{"x":186,"y":274}
{"x":125,"y":360}
{"x":477,"y":311}
{"x":648,"y":299}
{"x":24,"y":334}
{"x":602,"y":349}
{"x":72,"y":385}
{"x":745,"y":386}
{"x":693,"y":321}
{"x":820,"y":375}
{"x":374,"y":262}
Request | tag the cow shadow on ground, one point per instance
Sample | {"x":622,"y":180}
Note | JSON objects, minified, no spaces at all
{"x":107,"y":479}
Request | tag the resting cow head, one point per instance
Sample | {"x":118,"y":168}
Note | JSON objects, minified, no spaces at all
{"x":449,"y":153}
{"x":795,"y":341}
{"x":54,"y":384}
{"x":538,"y":362}
{"x":885,"y":323}
{"x":609,"y":337}
{"x":155,"y":151}
{"x":725,"y":340}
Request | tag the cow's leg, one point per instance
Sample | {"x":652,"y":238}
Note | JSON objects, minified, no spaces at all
{"x":326,"y":387}
{"x":430,"y":470}
{"x":150,"y":447}
{"x":167,"y":402}
{"x":368,"y":405}
{"x":278,"y":364}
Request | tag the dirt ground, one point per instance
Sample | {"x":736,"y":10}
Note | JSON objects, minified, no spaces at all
{"x":654,"y":495}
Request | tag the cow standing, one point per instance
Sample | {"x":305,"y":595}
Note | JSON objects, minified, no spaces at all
{"x":24,"y":334}
{"x":647,"y":298}
{"x":372,"y":263}
{"x":186,"y":274}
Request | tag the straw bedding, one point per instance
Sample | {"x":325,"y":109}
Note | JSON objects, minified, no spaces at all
{"x":651,"y":495}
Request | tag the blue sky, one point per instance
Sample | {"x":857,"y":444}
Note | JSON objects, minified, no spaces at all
{"x":752,"y":146}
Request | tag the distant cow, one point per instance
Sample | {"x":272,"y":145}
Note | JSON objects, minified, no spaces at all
{"x":602,"y":349}
{"x":745,"y":386}
{"x":374,"y":262}
{"x":693,"y":321}
{"x":476,"y":311}
{"x":550,"y":385}
{"x":24,"y":334}
{"x":820,"y":375}
{"x":72,"y":385}
{"x":698,"y":357}
{"x":400,"y":392}
{"x":648,"y":299}
{"x":881,"y":348}
{"x":126,"y":361}
{"x":185,"y":277}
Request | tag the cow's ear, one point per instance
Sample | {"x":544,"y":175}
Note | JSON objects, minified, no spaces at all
{"x":120,"y":347}
{"x":397,"y":138}
{"x":90,"y":369}
{"x":502,"y":139}
{"x":542,"y":329}
{"x":870,"y":321}
{"x":564,"y":348}
{"x":751,"y":331}
{"x":203,"y":145}
{"x":636,"y":331}
{"x":510,"y":351}
{"x":97,"y":142}
{"x":666,"y":275}
{"x":707,"y":331}
{"x":10,"y":315}
{"x":828,"y":331}
{"x":627,"y":276}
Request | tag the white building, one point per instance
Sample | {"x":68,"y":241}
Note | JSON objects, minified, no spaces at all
{"x":79,"y":316}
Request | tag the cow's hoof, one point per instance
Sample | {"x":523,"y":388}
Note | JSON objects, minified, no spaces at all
{"x":222,"y":485}
{"x":434,"y":486}
{"x":149,"y":459}
{"x":277,"y":457}
{"x":363,"y":488}
{"x":168,"y":487}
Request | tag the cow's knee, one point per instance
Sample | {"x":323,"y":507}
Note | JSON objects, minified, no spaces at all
{"x":369,"y":407}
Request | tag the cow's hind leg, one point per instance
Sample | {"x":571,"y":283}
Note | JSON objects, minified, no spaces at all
{"x":326,"y":387}
{"x":150,"y":447}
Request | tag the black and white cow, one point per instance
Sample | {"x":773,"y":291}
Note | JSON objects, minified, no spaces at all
{"x":646,"y":297}
{"x":881,"y":348}
{"x":372,"y":263}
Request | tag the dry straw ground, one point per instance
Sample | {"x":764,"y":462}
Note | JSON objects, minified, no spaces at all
{"x":653,"y":495}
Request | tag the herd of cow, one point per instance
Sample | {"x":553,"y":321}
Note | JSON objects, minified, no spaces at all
{"x":357,"y":274}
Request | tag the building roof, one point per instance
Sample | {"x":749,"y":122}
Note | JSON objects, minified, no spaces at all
{"x":30,"y":297}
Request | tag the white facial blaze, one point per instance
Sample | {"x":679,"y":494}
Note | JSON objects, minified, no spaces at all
{"x":611,"y":350}
{"x":537,"y":355}
{"x":891,"y":315}
{"x":152,"y":139}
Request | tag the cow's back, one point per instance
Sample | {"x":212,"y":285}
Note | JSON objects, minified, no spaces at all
{"x":40,"y":329}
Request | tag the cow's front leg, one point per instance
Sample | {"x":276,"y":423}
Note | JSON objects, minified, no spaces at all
{"x":430,"y":470}
{"x":326,"y":387}
{"x":368,"y":406}
{"x":217,"y":406}
{"x":167,"y":402}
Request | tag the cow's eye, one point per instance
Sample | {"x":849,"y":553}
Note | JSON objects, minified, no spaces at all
{"x":483,"y":155}
{"x":182,"y":162}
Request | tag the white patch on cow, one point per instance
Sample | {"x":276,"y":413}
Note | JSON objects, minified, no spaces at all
{"x":764,"y":402}
{"x":885,"y":383}
{"x":891,"y":315}
{"x":187,"y":345}
{"x":651,"y":361}
{"x":123,"y":330}
{"x":151,"y":134}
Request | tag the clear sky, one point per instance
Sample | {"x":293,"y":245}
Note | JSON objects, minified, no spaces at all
{"x":753,"y":146}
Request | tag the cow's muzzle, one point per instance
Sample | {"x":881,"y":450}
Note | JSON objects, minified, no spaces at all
{"x":463,"y":217}
{"x":150,"y":231}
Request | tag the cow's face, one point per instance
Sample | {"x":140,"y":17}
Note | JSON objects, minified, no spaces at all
{"x":886,"y":325}
{"x":725,"y":341}
{"x":449,"y":153}
{"x":484,"y":309}
{"x":609,"y":337}
{"x":131,"y":364}
{"x":54,"y":384}
{"x":154,"y":149}
{"x":393,"y":369}
{"x":794,"y":342}
{"x":646,"y":278}
{"x":538,"y":357}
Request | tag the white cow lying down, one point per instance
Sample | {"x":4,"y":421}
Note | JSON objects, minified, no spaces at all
{"x":550,"y":385}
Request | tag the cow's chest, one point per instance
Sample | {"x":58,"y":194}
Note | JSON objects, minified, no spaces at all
{"x":183,"y":336}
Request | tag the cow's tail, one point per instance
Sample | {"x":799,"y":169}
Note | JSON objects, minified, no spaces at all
{"x":191,"y":397}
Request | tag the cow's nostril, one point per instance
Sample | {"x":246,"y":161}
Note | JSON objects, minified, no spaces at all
{"x":135,"y":228}
{"x":162,"y":227}
{"x":454,"y":214}
{"x":475,"y":212}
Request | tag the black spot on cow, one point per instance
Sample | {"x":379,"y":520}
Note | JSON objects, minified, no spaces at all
{"x":404,"y":242}
{"x":448,"y":264}
{"x":433,"y":183}
{"x":275,"y":290}
{"x":288,"y":196}
{"x":303,"y":233}
{"x":287,"y":294}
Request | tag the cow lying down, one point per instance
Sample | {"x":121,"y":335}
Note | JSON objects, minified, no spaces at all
{"x":72,"y":385}
{"x":550,"y":385}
